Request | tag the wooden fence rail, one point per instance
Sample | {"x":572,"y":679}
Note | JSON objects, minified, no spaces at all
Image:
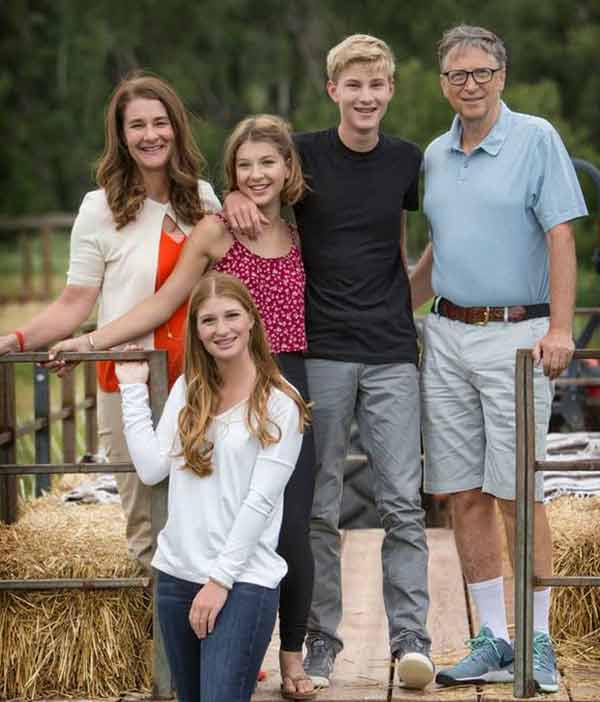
{"x":526,"y":467}
{"x":26,"y":229}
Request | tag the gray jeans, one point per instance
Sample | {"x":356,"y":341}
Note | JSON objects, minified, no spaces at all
{"x":385,"y":399}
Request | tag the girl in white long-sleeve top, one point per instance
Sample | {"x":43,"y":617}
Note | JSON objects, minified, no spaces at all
{"x":228,"y":440}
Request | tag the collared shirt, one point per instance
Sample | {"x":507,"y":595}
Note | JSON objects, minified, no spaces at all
{"x":489,"y":210}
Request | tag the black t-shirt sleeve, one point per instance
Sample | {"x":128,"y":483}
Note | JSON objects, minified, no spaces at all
{"x":411,"y":198}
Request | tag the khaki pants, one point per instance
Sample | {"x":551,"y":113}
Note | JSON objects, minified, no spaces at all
{"x":135,"y":496}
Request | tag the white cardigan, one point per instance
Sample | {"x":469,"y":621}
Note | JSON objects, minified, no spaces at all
{"x":122,"y":263}
{"x":225,"y":525}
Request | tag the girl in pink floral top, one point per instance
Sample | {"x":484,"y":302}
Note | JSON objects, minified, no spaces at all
{"x":261,"y":162}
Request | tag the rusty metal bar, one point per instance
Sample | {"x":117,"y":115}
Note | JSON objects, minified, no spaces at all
{"x":41,"y":422}
{"x":524,"y":685}
{"x":41,"y":402}
{"x":569,"y":581}
{"x":43,"y":356}
{"x":583,"y":464}
{"x":64,"y":468}
{"x":74,"y":583}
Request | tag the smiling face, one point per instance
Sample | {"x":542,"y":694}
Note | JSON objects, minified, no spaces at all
{"x":474,"y":103}
{"x":148,"y":133}
{"x":362,"y":93}
{"x":223,"y":327}
{"x":261,"y":172}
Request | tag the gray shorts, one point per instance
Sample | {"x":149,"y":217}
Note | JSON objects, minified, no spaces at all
{"x":468,"y":398}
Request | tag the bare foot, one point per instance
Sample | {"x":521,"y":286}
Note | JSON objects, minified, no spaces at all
{"x":293,"y":677}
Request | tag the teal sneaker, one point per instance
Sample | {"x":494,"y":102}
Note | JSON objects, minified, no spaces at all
{"x":544,"y":663}
{"x":490,"y":661}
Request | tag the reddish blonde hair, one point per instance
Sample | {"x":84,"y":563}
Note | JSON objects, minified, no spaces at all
{"x":203,"y":379}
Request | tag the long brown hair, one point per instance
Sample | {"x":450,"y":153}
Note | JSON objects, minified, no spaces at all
{"x":117,"y":172}
{"x":273,"y":130}
{"x":203,"y":379}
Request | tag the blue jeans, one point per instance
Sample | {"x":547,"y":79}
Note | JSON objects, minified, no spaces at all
{"x":224,"y":666}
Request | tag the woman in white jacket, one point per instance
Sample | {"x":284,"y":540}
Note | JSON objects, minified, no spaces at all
{"x":125,"y":241}
{"x":228,"y":440}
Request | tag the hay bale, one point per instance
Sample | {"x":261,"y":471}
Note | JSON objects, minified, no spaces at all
{"x":70,"y":642}
{"x":575,"y":612}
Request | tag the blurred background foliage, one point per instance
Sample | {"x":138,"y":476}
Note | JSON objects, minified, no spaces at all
{"x":60,"y":59}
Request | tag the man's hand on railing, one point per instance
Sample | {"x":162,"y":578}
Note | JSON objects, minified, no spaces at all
{"x":555,"y":351}
{"x":130,"y":372}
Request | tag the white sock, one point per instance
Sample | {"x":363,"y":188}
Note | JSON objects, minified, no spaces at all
{"x":489,"y":601}
{"x":541,"y":610}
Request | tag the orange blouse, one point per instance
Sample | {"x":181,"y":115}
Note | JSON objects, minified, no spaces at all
{"x":169,"y":336}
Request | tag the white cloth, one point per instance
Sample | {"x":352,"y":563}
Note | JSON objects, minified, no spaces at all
{"x":122,"y":263}
{"x":226,"y":525}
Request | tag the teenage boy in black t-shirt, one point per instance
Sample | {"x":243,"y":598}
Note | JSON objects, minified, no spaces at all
{"x":362,"y":354}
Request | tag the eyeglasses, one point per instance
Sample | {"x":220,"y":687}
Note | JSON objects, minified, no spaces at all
{"x":480,"y":75}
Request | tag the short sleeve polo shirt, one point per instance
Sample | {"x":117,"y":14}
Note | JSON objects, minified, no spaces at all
{"x":489,"y":210}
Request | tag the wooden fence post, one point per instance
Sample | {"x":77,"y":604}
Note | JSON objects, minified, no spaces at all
{"x":91,"y":419}
{"x":8,"y":421}
{"x":161,"y":677}
{"x":69,"y":419}
{"x":46,"y":235}
{"x":26,"y":267}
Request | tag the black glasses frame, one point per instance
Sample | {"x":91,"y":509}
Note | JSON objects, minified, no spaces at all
{"x":472,"y":73}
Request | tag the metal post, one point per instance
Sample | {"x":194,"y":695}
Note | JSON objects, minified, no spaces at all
{"x":91,"y":418}
{"x":525,"y":473}
{"x":161,"y":680}
{"x":8,"y":452}
{"x":69,"y":420}
{"x":41,"y":390}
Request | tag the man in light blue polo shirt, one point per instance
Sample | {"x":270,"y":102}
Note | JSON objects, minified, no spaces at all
{"x":500,"y":191}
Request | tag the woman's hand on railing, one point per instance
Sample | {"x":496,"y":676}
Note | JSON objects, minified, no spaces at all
{"x":79,"y":344}
{"x":130,"y":372}
{"x":9,"y":344}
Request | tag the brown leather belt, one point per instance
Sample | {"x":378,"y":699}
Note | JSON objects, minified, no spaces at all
{"x":483,"y":315}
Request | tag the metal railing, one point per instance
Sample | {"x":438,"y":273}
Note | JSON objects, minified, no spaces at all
{"x":10,"y":470}
{"x":526,"y":466}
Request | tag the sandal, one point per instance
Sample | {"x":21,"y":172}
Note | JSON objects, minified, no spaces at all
{"x":296,"y":695}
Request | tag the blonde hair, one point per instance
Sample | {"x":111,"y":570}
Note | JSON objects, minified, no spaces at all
{"x":360,"y":48}
{"x":273,"y":130}
{"x":117,"y":172}
{"x":203,"y":380}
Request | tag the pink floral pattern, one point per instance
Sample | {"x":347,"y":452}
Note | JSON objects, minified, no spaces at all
{"x":277,"y":287}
